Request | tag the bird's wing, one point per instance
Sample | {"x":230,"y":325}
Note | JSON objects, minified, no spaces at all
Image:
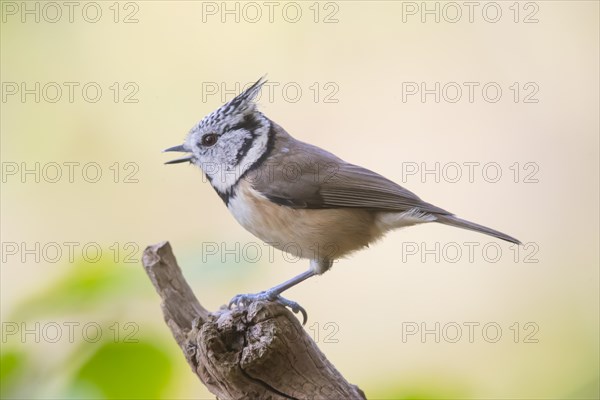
{"x":306,"y":176}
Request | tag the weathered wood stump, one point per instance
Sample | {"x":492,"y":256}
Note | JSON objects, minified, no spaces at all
{"x":257,"y":352}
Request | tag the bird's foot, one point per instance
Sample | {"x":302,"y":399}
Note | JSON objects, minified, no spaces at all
{"x":243,"y":300}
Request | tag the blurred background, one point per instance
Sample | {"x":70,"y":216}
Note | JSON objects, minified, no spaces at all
{"x":489,"y":110}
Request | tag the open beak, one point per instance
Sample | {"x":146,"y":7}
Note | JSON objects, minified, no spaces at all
{"x":181,"y":149}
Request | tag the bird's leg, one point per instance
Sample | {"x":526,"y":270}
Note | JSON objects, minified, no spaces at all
{"x":277,"y":290}
{"x":274,"y":294}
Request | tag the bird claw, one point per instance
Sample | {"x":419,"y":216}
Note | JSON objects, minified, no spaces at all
{"x":244,"y":300}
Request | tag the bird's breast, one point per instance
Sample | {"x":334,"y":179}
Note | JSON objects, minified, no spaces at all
{"x":305,"y":233}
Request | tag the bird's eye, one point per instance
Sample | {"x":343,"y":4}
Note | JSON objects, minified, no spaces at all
{"x":209,"y":139}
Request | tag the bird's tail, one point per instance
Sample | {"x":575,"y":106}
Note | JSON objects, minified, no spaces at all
{"x":472,"y":226}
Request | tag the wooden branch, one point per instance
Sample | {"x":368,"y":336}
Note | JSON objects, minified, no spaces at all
{"x":257,"y":352}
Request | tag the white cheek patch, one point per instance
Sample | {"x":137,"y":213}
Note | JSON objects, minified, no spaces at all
{"x":259,"y":146}
{"x":223,"y":168}
{"x":225,"y":172}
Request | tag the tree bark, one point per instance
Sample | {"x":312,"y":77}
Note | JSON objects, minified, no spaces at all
{"x":256,"y":352}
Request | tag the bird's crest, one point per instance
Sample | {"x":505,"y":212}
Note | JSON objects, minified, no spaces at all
{"x":243,"y":104}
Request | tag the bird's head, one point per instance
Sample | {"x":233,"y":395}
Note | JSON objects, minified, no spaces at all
{"x":227,"y":142}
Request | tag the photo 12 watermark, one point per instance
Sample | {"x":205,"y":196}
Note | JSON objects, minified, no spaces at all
{"x":27,"y":172}
{"x":470,"y":92}
{"x":452,"y":12}
{"x":326,"y":92}
{"x":489,"y":252}
{"x":470,"y":171}
{"x":267,"y":252}
{"x":54,"y":12}
{"x":51,"y":252}
{"x":253,"y":12}
{"x":70,"y":92}
{"x":469,"y":332}
{"x":69,"y":332}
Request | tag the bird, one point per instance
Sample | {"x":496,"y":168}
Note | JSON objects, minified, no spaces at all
{"x":297,"y":197}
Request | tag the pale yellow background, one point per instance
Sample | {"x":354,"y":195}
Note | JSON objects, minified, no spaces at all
{"x":170,"y":53}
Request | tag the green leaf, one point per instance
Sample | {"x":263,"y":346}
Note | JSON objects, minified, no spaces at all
{"x":11,"y":366}
{"x":125,"y":371}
